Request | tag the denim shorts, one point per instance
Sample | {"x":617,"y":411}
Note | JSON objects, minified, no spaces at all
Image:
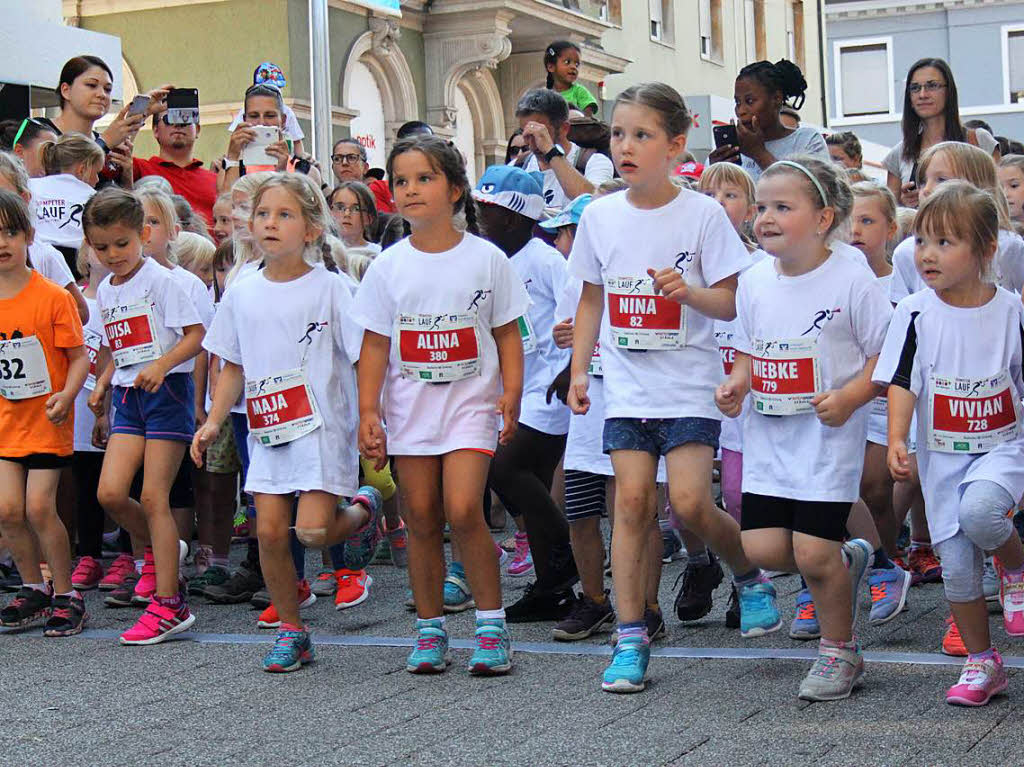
{"x":658,"y":436}
{"x":168,"y":413}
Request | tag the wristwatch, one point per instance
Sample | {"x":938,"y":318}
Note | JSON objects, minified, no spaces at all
{"x":102,"y":144}
{"x":555,"y":151}
{"x":226,"y":163}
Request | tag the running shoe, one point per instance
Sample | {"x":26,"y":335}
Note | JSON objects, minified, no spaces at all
{"x":457,"y":596}
{"x":291,"y":651}
{"x":805,"y":622}
{"x":522,"y":560}
{"x":503,"y":556}
{"x":157,"y":624}
{"x":586,"y":617}
{"x":68,"y":617}
{"x":509,"y":544}
{"x":87,"y":574}
{"x":1011,"y":597}
{"x":145,"y":587}
{"x":261,"y":599}
{"x":430,"y":655}
{"x":759,"y":614}
{"x":539,"y":605}
{"x":326,"y":583}
{"x":834,"y":674}
{"x":980,"y":679}
{"x":119,"y":568}
{"x":952,"y":642}
{"x":889,"y":589}
{"x":361,"y":545}
{"x":398,"y":540}
{"x":353,"y":588}
{"x":493,"y":654}
{"x":382,"y":556}
{"x":240,"y":587}
{"x":694,"y":599}
{"x":10,"y":578}
{"x":123,"y":594}
{"x":214,"y":575}
{"x":858,"y":555}
{"x":269,"y":619}
{"x":732,"y":612}
{"x":627,"y":671}
{"x":671,"y":547}
{"x":990,"y":580}
{"x":29,"y":606}
{"x":924,"y":565}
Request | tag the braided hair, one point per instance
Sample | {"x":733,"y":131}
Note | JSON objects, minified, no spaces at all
{"x":783,"y":77}
{"x":446,"y":159}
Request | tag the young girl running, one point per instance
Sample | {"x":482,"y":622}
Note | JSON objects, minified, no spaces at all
{"x":42,"y":366}
{"x":296,"y":368}
{"x":451,"y":356}
{"x":562,"y":61}
{"x":966,"y":396}
{"x":662,"y":303}
{"x":810,"y":325}
{"x":152,"y":332}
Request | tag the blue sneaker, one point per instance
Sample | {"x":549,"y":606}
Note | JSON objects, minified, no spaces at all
{"x":291,"y":651}
{"x":493,"y":654}
{"x":858,"y":555}
{"x":628,"y":670}
{"x":430,"y":656}
{"x":888,"y":593}
{"x":457,"y":596}
{"x":362,"y":545}
{"x":805,"y":622}
{"x":759,"y":615}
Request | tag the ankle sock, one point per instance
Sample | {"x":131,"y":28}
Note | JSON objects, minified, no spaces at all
{"x":73,"y":593}
{"x":171,"y":603}
{"x":835,"y":643}
{"x":433,"y":622}
{"x":754,"y":576}
{"x":882,"y":561}
{"x":634,"y":629}
{"x":491,"y":615}
{"x":701,"y":558}
{"x":920,"y":545}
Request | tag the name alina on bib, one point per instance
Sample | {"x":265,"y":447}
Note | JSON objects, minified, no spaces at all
{"x":437,"y":341}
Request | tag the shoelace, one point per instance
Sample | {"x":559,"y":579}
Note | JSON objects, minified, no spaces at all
{"x":625,"y":654}
{"x":284,"y":645}
{"x":879,"y":592}
{"x":807,"y":612}
{"x":826,"y":666}
{"x":427,"y":642}
{"x":954,"y":630}
{"x":488,"y":641}
{"x":974,"y":672}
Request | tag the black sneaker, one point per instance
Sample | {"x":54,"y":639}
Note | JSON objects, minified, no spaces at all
{"x":68,"y":617}
{"x":538,"y":605}
{"x":672,"y":547}
{"x":261,"y":599}
{"x":655,"y":624}
{"x":10,"y":578}
{"x":585,"y":618}
{"x":563,"y":574}
{"x":732,"y":615}
{"x":240,"y":587}
{"x":699,"y":581}
{"x":123,"y":595}
{"x":28,"y":606}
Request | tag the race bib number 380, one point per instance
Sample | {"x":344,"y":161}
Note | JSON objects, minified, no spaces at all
{"x":281,"y":408}
{"x":971,"y":415}
{"x":639,"y":319}
{"x":784,"y":376}
{"x":23,"y":371}
{"x":131,"y":333}
{"x":438,"y":348}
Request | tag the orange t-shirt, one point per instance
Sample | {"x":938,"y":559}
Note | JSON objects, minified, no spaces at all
{"x":48,"y":312}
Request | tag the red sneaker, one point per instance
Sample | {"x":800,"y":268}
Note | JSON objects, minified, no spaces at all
{"x":87,"y":575}
{"x":117,"y":571}
{"x":353,"y":588}
{"x":146,"y":587}
{"x":924,"y":566}
{"x":269,"y":619}
{"x":952,"y":642}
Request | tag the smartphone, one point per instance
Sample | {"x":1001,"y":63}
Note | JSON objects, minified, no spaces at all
{"x":725,"y":135}
{"x":183,"y":106}
{"x":254,"y":154}
{"x":138,"y":106}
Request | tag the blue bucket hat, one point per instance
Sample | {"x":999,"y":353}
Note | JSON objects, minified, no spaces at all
{"x":569,"y":215}
{"x":512,"y":188}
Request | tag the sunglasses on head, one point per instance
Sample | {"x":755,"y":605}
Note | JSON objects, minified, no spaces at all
{"x":25,"y":124}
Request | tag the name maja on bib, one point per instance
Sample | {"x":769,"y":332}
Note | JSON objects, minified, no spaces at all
{"x":640,"y":318}
{"x":968,"y":415}
{"x":131,"y":333}
{"x":23,"y":371}
{"x":438,"y":348}
{"x":281,"y":408}
{"x":785,"y":375}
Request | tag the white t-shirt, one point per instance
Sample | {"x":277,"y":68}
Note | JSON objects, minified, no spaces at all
{"x":172,"y":311}
{"x":473,"y":279}
{"x":92,"y":332}
{"x":57,"y":205}
{"x":50,"y":263}
{"x":598,"y":169}
{"x":309,"y":328}
{"x":197,"y":292}
{"x":950,"y":342}
{"x":544,"y":273}
{"x":618,"y":241}
{"x":804,"y":140}
{"x":1008,"y":267}
{"x":841,"y":306}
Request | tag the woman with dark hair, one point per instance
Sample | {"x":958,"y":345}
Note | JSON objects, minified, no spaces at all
{"x":23,"y":138}
{"x":516,"y":146}
{"x":931,"y":115}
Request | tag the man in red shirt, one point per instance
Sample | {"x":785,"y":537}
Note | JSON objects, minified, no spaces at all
{"x":175,"y":162}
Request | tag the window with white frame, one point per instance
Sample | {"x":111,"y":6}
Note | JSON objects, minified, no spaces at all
{"x":657,"y":19}
{"x":863,"y":77}
{"x":709,"y":25}
{"x":1013,"y":64}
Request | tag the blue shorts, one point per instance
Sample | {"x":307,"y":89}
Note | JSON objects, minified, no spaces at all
{"x":169,"y":413}
{"x":658,"y":436}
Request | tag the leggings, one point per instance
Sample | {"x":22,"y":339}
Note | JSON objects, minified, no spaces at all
{"x":521,"y":475}
{"x":732,"y":482}
{"x":85,"y":468}
{"x":984,"y":526}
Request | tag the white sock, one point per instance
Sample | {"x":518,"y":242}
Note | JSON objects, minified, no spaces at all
{"x":422,"y":621}
{"x":491,"y":615}
{"x":37,"y":586}
{"x":138,"y":565}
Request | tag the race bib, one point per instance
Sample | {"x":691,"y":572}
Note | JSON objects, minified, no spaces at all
{"x":724,"y":340}
{"x":438,"y":348}
{"x":784,"y":376}
{"x":92,"y":349}
{"x":281,"y":408}
{"x":23,"y":371}
{"x":880,"y":407}
{"x":526,"y":331}
{"x":596,"y":367}
{"x":971,"y":415}
{"x":131,"y":333}
{"x":639,"y":319}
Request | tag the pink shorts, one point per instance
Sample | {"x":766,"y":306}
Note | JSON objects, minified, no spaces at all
{"x":732,"y":482}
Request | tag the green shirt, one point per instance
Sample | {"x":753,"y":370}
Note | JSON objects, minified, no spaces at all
{"x":578,"y":96}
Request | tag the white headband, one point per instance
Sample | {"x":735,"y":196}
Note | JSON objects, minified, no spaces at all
{"x":811,"y":176}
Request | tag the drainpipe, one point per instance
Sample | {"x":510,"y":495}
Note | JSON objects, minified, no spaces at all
{"x":320,"y":82}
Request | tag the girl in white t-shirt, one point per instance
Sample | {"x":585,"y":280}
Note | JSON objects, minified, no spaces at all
{"x":355,"y":214}
{"x":299,"y":384}
{"x":72,"y":163}
{"x":953,"y":357}
{"x":152,"y":333}
{"x":810,"y":324}
{"x":661,"y":363}
{"x":440,"y":311}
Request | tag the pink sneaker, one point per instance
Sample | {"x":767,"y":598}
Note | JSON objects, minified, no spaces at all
{"x":522,"y":561}
{"x":980,"y":679}
{"x":1011,"y":597}
{"x":146,"y":587}
{"x":117,"y":571}
{"x":156,"y":624}
{"x":87,"y":575}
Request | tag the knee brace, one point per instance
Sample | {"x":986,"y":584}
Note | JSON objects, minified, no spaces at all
{"x":312,"y":537}
{"x":961,"y":568}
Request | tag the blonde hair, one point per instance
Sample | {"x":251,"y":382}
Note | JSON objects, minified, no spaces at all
{"x":904,"y":227}
{"x":312,"y":206}
{"x":12,"y":168}
{"x":1012,"y":161}
{"x":68,"y":152}
{"x":976,"y":167}
{"x":166,"y":213}
{"x":960,"y":209}
{"x":192,"y":251}
{"x":727,"y":173}
{"x":885,"y":197}
{"x":610,"y":186}
{"x":82,"y":259}
{"x":244,"y":249}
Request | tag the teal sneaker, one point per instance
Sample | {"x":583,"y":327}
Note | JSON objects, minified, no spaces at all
{"x":457,"y":596}
{"x":805,"y":622}
{"x":759,"y":615}
{"x":493,"y":654}
{"x":628,"y":670}
{"x":361,"y":545}
{"x":888,"y":593}
{"x":431,"y":655}
{"x":291,"y":651}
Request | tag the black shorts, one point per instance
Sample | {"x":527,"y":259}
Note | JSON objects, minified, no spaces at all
{"x":822,"y":519}
{"x":40,"y":460}
{"x":182,"y":495}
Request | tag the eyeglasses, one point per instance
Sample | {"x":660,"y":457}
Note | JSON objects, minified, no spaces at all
{"x":929,"y":87}
{"x":346,"y":159}
{"x":341,"y":207}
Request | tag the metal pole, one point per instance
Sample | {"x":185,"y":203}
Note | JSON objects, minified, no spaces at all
{"x":320,"y":84}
